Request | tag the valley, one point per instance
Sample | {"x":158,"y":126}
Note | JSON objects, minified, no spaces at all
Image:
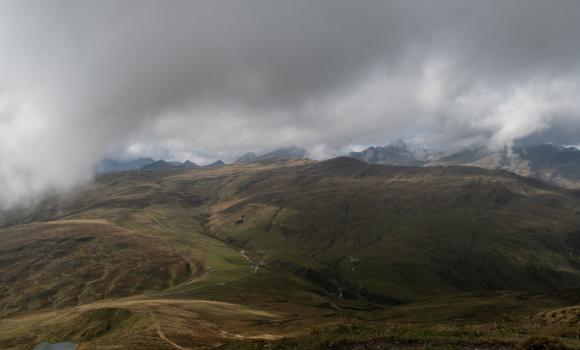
{"x":268,"y":252}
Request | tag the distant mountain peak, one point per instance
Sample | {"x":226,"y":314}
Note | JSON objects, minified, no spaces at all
{"x":398,"y":143}
{"x":164,"y":165}
{"x":247,"y":158}
{"x":395,"y":153}
{"x":189,"y":165}
{"x":217,"y":164}
{"x":555,"y":164}
{"x":109,"y":165}
{"x":285,"y":153}
{"x":157,"y":165}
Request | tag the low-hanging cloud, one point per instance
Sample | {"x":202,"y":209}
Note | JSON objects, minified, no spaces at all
{"x":213,"y":79}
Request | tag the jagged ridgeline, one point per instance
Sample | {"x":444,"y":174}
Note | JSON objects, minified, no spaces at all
{"x":112,"y":165}
{"x":558,"y":165}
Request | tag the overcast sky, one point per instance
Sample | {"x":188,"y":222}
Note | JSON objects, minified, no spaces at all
{"x":202,"y":80}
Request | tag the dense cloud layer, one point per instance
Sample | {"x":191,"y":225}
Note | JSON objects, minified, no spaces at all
{"x":213,"y":79}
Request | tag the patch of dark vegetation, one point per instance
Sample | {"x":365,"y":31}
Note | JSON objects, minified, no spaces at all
{"x":363,"y":336}
{"x":326,"y":280}
{"x":573,"y":239}
{"x":336,"y":287}
{"x":544,"y":343}
{"x":84,"y":239}
{"x":247,"y":185}
{"x":240,"y":220}
{"x":369,"y":295}
{"x":96,"y":323}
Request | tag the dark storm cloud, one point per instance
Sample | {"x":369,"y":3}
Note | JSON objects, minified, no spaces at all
{"x":214,"y":79}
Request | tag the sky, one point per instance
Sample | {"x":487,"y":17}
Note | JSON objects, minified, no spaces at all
{"x":82,"y":80}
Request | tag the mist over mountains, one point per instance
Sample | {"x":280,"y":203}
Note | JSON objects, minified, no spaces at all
{"x":280,"y":154}
{"x":559,"y":165}
{"x":83,"y":80}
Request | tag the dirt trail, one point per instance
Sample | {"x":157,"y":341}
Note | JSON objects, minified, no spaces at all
{"x":251,"y":262}
{"x":162,"y":335}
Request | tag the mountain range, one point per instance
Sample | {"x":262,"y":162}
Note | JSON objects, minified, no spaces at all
{"x":558,"y":165}
{"x":111,"y":165}
{"x":396,"y":153}
{"x":163,"y":165}
{"x":280,"y":154}
{"x":259,"y":251}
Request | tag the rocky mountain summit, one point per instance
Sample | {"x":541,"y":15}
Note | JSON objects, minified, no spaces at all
{"x":279,"y":154}
{"x":559,"y":165}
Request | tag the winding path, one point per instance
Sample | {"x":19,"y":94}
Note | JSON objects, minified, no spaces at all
{"x":162,"y":335}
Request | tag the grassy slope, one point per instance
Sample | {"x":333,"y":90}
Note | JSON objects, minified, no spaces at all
{"x":397,"y":234}
{"x":167,"y":214}
{"x":374,"y":235}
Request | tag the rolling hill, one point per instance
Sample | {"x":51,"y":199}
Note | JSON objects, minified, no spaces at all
{"x":204,"y":257}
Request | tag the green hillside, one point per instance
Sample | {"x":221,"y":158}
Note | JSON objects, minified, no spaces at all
{"x":210,"y":257}
{"x":387,"y":233}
